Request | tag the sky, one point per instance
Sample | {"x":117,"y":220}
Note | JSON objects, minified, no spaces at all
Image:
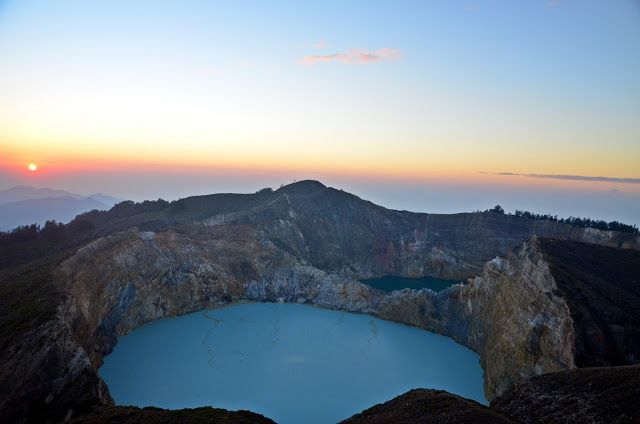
{"x":420,"y":105}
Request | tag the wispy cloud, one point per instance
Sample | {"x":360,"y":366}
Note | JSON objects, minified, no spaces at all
{"x":355,"y":56}
{"x":576,"y":177}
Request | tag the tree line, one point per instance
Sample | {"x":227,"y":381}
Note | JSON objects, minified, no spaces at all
{"x":29,"y":242}
{"x":572,"y":220}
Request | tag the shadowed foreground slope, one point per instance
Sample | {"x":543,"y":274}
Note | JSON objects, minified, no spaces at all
{"x":602,"y":288}
{"x":428,"y":406}
{"x":132,"y":415}
{"x":597,"y":395}
{"x":589,"y":395}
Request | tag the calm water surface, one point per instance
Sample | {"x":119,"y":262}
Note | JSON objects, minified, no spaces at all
{"x":292,"y":363}
{"x":399,"y":283}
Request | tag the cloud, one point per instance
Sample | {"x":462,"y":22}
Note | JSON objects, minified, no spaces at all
{"x":355,"y":56}
{"x":577,"y":177}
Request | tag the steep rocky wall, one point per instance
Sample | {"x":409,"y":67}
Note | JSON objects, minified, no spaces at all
{"x":512,"y":314}
{"x":518,"y":320}
{"x":121,"y":281}
{"x":343,"y":234}
{"x":48,"y":373}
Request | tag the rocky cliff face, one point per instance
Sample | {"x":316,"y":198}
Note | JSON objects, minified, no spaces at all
{"x":345,"y":235}
{"x":517,"y":319}
{"x":342,"y":234}
{"x":549,"y":306}
{"x":305,"y":243}
{"x":512,"y":315}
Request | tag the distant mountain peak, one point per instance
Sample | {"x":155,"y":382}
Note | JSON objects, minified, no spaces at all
{"x":302,"y":187}
{"x":23,"y":192}
{"x":24,"y":205}
{"x":103,"y":198}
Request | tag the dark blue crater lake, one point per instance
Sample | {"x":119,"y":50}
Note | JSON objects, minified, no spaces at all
{"x":292,"y":363}
{"x":398,"y":283}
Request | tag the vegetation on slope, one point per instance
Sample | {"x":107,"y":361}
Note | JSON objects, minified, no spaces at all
{"x":29,"y":299}
{"x":151,"y":415}
{"x":602,"y":287}
{"x":598,"y":224}
{"x":428,"y":406}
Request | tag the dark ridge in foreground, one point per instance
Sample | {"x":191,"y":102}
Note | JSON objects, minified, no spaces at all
{"x":587,"y":395}
{"x":602,"y":288}
{"x":428,"y":406}
{"x":150,"y":415}
{"x":590,"y":395}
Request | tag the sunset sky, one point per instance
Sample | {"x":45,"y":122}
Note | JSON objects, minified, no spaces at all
{"x":414,"y":104}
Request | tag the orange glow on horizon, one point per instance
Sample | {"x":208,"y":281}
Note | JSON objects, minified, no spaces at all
{"x":321,"y":169}
{"x":454,"y":166}
{"x":63,"y":159}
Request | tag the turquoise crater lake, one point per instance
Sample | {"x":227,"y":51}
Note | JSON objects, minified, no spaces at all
{"x":293,"y":363}
{"x":392,"y":283}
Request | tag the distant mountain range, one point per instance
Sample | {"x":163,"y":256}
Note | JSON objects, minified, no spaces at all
{"x":23,"y":205}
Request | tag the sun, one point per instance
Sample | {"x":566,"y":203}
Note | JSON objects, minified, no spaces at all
{"x":32,"y":167}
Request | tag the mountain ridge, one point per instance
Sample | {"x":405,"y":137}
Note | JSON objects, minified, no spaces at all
{"x":23,"y":192}
{"x":24,"y":205}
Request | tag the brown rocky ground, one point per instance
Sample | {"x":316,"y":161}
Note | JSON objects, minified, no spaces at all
{"x":586,"y":395}
{"x":428,"y":406}
{"x":132,"y":415}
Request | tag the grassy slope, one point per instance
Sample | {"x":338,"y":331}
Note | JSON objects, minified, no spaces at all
{"x":29,"y":298}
